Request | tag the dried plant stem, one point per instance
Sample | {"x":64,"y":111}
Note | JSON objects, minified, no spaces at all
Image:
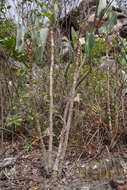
{"x":2,"y":123}
{"x":69,"y":107}
{"x":108,"y":88}
{"x":116,"y":83}
{"x":124,"y":92}
{"x":57,"y":161}
{"x":51,"y":99}
{"x":67,"y":123}
{"x":36,"y":116}
{"x":115,"y":128}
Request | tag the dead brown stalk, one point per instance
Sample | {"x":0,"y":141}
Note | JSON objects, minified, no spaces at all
{"x":51,"y":99}
{"x":34,"y":108}
{"x":2,"y":123}
{"x":108,"y":87}
{"x":115,"y":130}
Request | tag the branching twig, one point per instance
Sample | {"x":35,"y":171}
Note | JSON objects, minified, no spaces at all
{"x":4,"y":129}
{"x":83,"y":77}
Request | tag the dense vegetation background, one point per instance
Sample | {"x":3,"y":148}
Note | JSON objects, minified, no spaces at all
{"x":63,"y":79}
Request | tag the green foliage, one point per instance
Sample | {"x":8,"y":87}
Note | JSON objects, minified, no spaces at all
{"x":7,"y":28}
{"x":7,"y":34}
{"x":39,"y":29}
{"x":3,"y":8}
{"x":8,"y":43}
{"x":93,"y":89}
{"x":89,"y":43}
{"x":99,"y":47}
{"x":39,"y":38}
{"x":123,"y":56}
{"x":74,"y":38}
{"x":112,"y":21}
{"x":28,"y":146}
{"x":8,"y":40}
{"x":52,"y":13}
{"x":15,"y":120}
{"x":21,"y":30}
{"x":96,"y":110}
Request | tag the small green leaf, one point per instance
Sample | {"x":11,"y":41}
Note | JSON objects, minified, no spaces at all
{"x":50,"y":17}
{"x":29,"y":117}
{"x":55,"y":111}
{"x":26,"y":95}
{"x":14,"y":120}
{"x":21,"y":30}
{"x":74,"y":37}
{"x":89,"y":43}
{"x":9,"y":6}
{"x":112,"y":21}
{"x":39,"y":37}
{"x":53,"y":13}
{"x":38,"y":54}
{"x":13,"y":69}
{"x":123,"y":61}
